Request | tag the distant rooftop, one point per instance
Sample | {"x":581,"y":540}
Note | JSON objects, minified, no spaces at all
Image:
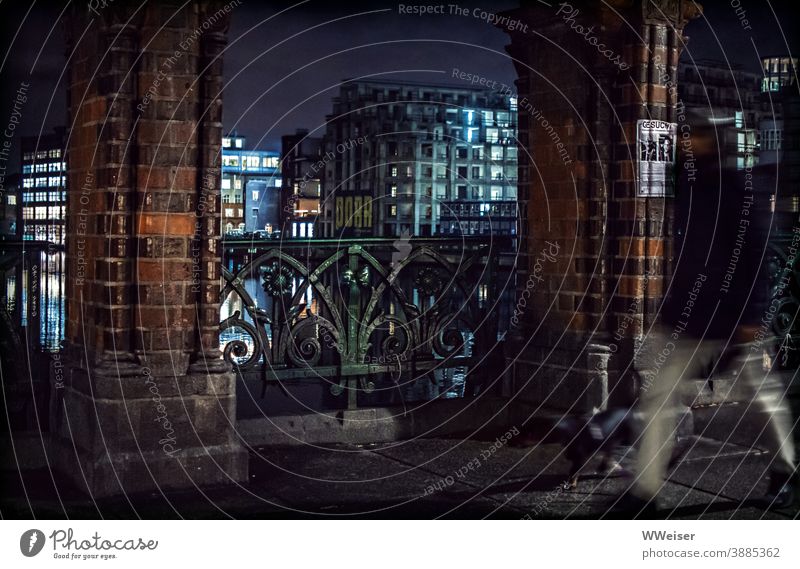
{"x":406,"y":83}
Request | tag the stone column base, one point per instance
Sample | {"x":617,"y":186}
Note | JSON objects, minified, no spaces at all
{"x":572,"y":377}
{"x":115,"y":434}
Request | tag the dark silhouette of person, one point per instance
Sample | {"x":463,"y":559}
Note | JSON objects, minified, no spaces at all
{"x":712,"y":319}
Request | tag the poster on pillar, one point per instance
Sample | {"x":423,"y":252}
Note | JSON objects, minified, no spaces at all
{"x":655,"y":174}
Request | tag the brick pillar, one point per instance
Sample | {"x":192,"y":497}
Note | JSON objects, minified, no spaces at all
{"x":597,"y":253}
{"x":147,"y":401}
{"x":206,"y":256}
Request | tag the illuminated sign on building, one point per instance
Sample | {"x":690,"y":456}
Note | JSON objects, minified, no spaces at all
{"x":353,"y":213}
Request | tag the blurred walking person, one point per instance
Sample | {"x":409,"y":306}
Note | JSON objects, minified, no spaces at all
{"x":716,"y":317}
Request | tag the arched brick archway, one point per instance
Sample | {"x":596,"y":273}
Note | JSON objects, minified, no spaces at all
{"x":146,"y":400}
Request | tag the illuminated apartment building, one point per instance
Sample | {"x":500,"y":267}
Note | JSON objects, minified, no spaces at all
{"x":729,"y":99}
{"x":403,"y":158}
{"x":43,"y":195}
{"x":302,"y":179}
{"x":251,"y":186}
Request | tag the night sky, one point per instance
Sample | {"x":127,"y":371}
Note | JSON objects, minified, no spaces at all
{"x":285,"y":60}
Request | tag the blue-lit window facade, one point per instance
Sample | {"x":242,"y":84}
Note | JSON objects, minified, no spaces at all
{"x":44,"y":194}
{"x":778,"y":73}
{"x":440,"y":146}
{"x":245,"y":175}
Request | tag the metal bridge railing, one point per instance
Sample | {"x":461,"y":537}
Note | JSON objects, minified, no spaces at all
{"x":365,"y":316}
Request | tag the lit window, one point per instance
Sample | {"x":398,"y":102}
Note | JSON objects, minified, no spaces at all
{"x":230,"y":161}
{"x":226,"y":142}
{"x":239,"y":142}
{"x":393,"y":190}
{"x":40,"y":167}
{"x":27,"y":168}
{"x":252,"y":162}
{"x":41,"y":154}
{"x":53,"y":181}
{"x":27,"y":183}
{"x":12,"y":199}
{"x":41,"y":182}
{"x":54,"y":167}
{"x":237,"y":183}
{"x":40,"y":212}
{"x":255,"y":195}
{"x":226,"y":183}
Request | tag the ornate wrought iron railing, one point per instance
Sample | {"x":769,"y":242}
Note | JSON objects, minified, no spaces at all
{"x":365,"y":315}
{"x":783,"y":268}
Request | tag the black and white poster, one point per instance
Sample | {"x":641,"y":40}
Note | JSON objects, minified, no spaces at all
{"x":655,"y":143}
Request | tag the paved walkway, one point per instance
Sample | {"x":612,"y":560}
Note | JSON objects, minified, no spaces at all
{"x":427,"y":478}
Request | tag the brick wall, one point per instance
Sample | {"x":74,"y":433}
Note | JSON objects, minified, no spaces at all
{"x":582,"y":195}
{"x":143,"y":167}
{"x":147,"y":400}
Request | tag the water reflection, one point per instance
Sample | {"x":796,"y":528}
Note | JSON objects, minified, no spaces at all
{"x":52,"y":301}
{"x":34,"y":296}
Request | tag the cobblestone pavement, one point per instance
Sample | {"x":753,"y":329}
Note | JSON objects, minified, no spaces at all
{"x":423,"y":478}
